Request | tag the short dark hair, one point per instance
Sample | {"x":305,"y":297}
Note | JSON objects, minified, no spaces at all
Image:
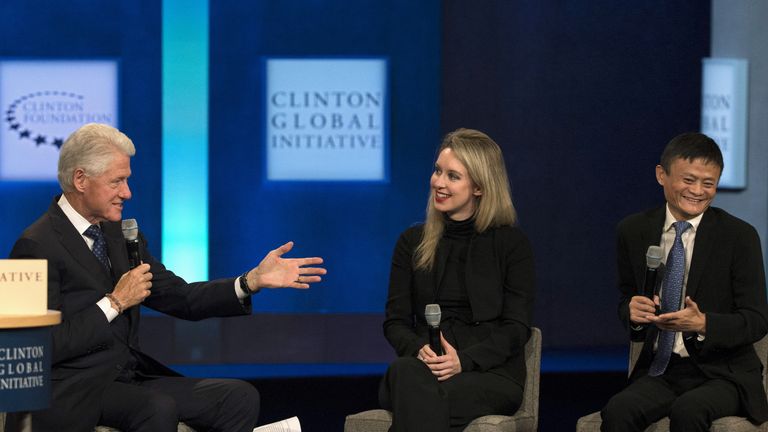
{"x":691,"y":146}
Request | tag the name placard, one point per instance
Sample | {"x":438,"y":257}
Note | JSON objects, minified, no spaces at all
{"x":724,"y":115}
{"x":23,"y":287}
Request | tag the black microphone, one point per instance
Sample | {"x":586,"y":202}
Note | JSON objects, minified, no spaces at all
{"x":432,"y":315}
{"x":652,"y":263}
{"x":131,"y":234}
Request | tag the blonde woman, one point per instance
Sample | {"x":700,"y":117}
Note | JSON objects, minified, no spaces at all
{"x":471,"y":259}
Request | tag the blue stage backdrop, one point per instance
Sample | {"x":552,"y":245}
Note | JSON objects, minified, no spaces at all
{"x":582,"y":97}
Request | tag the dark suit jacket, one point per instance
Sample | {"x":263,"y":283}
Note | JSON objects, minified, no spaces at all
{"x":727,"y":281}
{"x":88,"y":351}
{"x":500,"y":285}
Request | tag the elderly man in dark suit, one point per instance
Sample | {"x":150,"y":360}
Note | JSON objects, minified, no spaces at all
{"x":697,"y":362}
{"x":99,"y":374}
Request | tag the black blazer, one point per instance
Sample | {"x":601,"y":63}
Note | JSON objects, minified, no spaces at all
{"x":500,"y":284}
{"x":89,"y":351}
{"x":726,"y":279}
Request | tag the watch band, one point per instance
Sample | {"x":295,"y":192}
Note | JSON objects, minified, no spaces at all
{"x":244,"y":284}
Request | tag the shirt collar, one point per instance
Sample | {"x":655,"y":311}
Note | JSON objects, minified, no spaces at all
{"x":669,"y":220}
{"x":81,"y":224}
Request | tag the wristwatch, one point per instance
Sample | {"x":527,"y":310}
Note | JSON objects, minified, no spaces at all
{"x":244,"y":284}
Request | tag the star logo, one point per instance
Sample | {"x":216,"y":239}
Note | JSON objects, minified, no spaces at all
{"x":27,"y":133}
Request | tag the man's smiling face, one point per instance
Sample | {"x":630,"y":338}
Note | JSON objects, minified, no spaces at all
{"x":689,"y":186}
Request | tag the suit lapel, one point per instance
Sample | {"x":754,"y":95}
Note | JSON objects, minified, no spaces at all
{"x":705,"y":240}
{"x":651,"y":234}
{"x":74,"y":244}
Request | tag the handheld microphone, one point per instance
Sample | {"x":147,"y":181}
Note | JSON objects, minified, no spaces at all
{"x":131,"y":235}
{"x":652,"y":263}
{"x":432,"y":315}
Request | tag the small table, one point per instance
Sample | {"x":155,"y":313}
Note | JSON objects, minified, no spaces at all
{"x":25,"y":364}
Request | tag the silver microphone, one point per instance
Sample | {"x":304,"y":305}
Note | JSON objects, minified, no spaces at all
{"x":432,"y":315}
{"x":131,"y":235}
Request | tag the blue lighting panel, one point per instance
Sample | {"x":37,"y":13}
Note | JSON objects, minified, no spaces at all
{"x":185,"y":138}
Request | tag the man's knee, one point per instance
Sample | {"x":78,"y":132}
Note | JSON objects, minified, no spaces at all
{"x":245,"y":399}
{"x":620,"y":414}
{"x":689,"y":414}
{"x":159,"y":411}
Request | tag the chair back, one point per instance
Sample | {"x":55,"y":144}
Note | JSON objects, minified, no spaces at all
{"x":761,"y":348}
{"x":635,"y":348}
{"x":533,"y":374}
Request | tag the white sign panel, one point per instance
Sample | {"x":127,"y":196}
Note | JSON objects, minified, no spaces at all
{"x":724,"y":115}
{"x":326,"y":119}
{"x":43,"y":101}
{"x":23,"y":287}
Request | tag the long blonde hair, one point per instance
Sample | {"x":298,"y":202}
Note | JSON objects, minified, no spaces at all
{"x":485,"y":165}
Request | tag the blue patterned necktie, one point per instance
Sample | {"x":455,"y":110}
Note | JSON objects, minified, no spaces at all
{"x":99,"y":244}
{"x":670,"y":297}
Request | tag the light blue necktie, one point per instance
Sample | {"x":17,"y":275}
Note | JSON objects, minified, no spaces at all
{"x":670,"y":297}
{"x":99,"y":244}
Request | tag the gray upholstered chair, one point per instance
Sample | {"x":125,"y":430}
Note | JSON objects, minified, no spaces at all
{"x":182,"y":428}
{"x":525,"y":419}
{"x":592,"y":422}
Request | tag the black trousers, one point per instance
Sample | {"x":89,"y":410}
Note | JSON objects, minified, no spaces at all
{"x":690,"y":400}
{"x":159,"y":403}
{"x":420,"y":403}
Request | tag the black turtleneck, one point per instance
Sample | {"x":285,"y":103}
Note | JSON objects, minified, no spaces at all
{"x":452,"y":293}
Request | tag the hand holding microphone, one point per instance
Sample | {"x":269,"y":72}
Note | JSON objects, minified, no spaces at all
{"x":444,"y":363}
{"x":134,"y":286}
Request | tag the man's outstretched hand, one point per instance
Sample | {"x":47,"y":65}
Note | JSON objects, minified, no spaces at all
{"x":274,"y":271}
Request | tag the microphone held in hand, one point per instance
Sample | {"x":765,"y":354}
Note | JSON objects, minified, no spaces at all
{"x":131,"y":234}
{"x":652,"y":263}
{"x":432,"y":315}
